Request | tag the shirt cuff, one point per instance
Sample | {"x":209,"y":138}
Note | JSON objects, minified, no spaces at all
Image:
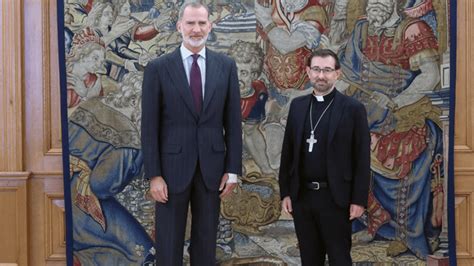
{"x":232,"y":178}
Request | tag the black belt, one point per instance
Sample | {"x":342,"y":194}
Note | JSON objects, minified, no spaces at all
{"x":316,"y":185}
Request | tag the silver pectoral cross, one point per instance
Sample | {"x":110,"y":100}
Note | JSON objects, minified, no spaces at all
{"x":311,"y":141}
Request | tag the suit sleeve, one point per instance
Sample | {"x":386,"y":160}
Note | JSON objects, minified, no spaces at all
{"x":151,"y":122}
{"x":232,"y":125}
{"x":361,"y":158}
{"x":286,"y":160}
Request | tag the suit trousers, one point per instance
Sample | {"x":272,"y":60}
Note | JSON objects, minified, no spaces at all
{"x":322,"y":227}
{"x":170,"y":225}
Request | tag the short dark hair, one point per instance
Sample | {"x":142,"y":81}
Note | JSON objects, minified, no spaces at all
{"x":324,"y":53}
{"x":194,"y":4}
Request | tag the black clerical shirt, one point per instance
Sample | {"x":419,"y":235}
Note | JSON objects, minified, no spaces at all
{"x":313,"y":165}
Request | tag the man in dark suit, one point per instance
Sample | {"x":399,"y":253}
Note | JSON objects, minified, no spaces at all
{"x":191,"y":138}
{"x":325,"y":161}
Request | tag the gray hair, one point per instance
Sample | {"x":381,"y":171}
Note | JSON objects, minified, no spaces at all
{"x":193,"y":4}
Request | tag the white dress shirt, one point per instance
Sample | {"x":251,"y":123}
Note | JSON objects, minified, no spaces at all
{"x":186,"y":55}
{"x":188,"y":62}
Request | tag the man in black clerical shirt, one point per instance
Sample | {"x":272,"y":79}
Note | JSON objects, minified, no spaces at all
{"x":325,"y":165}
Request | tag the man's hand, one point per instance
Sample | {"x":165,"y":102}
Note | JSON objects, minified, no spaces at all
{"x":286,"y":205}
{"x":355,"y":211}
{"x":226,"y":188}
{"x":159,"y":189}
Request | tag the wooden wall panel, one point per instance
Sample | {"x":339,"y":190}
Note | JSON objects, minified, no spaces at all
{"x":46,"y":223}
{"x":51,"y":96}
{"x":464,"y":137}
{"x":42,"y":116}
{"x":462,"y":214}
{"x":11,"y":93}
{"x":14,"y":221}
{"x":13,"y":181}
{"x":55,"y":237}
{"x":464,"y":96}
{"x":43,"y":134}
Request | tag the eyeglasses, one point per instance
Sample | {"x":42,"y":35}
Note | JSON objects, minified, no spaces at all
{"x":325,"y":70}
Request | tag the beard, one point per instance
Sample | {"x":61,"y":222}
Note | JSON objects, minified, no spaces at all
{"x":322,"y":86}
{"x":195,"y":43}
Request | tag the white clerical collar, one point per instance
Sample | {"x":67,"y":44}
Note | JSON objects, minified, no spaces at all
{"x":185,"y":52}
{"x":321,"y":98}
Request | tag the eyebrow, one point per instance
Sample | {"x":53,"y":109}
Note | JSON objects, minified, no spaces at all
{"x":196,"y":20}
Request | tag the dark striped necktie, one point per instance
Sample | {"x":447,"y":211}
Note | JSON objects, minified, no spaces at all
{"x":196,"y":83}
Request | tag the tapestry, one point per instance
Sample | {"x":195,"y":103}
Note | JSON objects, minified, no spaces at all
{"x":395,"y":58}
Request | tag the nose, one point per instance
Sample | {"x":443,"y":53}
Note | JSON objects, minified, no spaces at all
{"x":196,"y":28}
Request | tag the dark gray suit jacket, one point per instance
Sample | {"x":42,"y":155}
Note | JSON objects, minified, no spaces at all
{"x":348,"y":150}
{"x":175,"y":137}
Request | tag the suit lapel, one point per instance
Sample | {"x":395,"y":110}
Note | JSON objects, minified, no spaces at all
{"x":178,"y":76}
{"x":336,"y":114}
{"x":212,"y":69}
{"x":300,"y":123}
